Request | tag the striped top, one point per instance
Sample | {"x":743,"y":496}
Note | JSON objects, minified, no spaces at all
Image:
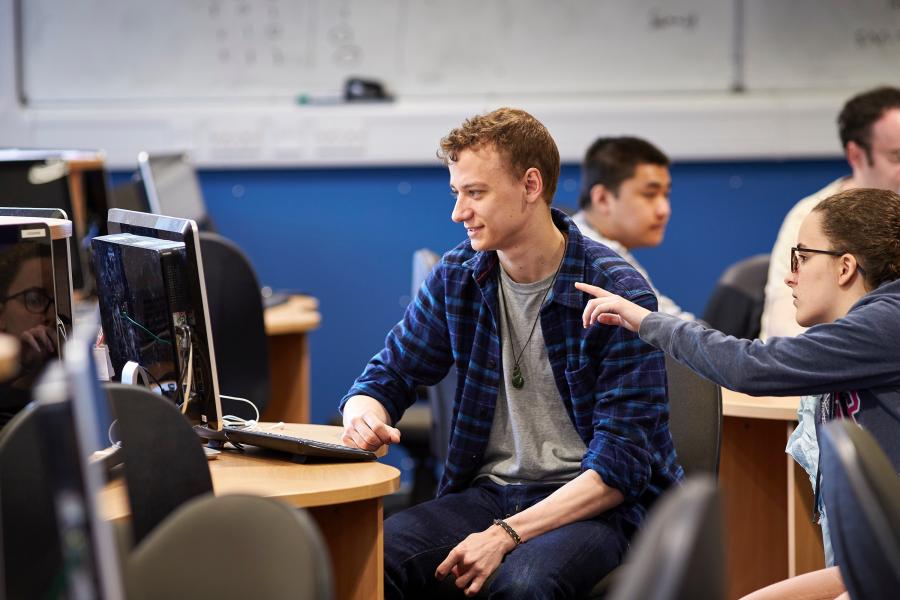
{"x":612,"y":383}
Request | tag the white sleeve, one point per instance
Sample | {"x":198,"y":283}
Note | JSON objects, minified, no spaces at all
{"x":779,"y":318}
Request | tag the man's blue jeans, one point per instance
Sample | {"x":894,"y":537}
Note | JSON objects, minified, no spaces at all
{"x":563,"y":563}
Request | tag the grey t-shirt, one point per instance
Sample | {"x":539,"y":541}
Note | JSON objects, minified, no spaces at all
{"x":532,"y":436}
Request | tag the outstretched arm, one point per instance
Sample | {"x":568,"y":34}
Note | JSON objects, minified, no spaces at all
{"x":609,"y":309}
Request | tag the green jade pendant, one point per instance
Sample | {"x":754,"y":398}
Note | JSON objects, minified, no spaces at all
{"x":517,"y":380}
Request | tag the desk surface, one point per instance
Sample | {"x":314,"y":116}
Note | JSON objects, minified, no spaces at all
{"x":298,"y":315}
{"x":735,"y":404}
{"x":9,"y":349}
{"x":302,"y":485}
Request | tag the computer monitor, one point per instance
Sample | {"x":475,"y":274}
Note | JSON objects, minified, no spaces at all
{"x":29,"y":298}
{"x":62,"y":263}
{"x":205,"y":379}
{"x":147,"y":319}
{"x":171,"y":186}
{"x":44,"y":179}
{"x":75,"y":418}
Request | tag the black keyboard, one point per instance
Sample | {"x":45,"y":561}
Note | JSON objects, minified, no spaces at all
{"x":291,"y":444}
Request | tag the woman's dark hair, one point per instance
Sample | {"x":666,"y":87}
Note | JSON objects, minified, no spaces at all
{"x":865,"y":223}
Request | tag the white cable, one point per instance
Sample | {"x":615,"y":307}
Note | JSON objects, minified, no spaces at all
{"x":238,"y":422}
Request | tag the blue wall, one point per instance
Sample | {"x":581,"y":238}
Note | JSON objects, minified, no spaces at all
{"x":347,"y":236}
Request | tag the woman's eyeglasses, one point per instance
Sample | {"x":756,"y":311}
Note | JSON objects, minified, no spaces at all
{"x":36,"y":299}
{"x":795,"y":259}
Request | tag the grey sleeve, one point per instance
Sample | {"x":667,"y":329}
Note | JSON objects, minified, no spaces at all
{"x":858,"y":351}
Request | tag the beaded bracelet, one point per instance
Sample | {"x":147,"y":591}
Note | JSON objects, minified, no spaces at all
{"x":512,"y":532}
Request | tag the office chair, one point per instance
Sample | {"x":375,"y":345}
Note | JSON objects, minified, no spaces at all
{"x":736,"y":304}
{"x":862,"y":497}
{"x":695,"y":422}
{"x":32,"y":562}
{"x":232,"y":547}
{"x":238,"y":326}
{"x":425,"y":426}
{"x":695,"y":419}
{"x":679,"y":554}
{"x":164,"y":463}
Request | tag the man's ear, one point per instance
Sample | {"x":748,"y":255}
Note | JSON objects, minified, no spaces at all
{"x":534,"y":184}
{"x":601,"y":198}
{"x":856,"y":156}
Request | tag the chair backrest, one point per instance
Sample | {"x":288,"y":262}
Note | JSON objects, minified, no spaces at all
{"x":442,"y":394}
{"x":679,"y":552}
{"x":32,"y":562}
{"x":862,"y":499}
{"x":736,"y":304}
{"x":164,"y":463}
{"x":232,"y":547}
{"x":238,"y":327}
{"x":695,"y":419}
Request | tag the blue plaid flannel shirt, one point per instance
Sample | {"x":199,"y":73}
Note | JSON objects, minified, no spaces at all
{"x":613,"y":384}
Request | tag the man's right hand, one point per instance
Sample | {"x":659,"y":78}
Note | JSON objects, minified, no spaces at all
{"x":366,"y":424}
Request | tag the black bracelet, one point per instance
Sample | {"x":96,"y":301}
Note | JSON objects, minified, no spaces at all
{"x":512,"y":532}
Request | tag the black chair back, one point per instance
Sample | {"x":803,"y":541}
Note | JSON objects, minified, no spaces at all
{"x":736,"y":304}
{"x":695,"y":419}
{"x":32,"y":561}
{"x":164,"y":463}
{"x":862,"y":499}
{"x":679,"y":554}
{"x":238,"y":328}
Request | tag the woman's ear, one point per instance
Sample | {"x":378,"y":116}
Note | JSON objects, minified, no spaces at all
{"x":848,"y":268}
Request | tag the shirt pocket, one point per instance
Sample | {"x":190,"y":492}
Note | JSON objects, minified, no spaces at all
{"x":582,"y":388}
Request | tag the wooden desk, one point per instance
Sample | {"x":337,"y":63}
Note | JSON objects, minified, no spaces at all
{"x":286,"y":326}
{"x":768,"y":498}
{"x":343,"y":498}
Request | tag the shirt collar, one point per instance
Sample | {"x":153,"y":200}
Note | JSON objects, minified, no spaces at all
{"x":571,"y":270}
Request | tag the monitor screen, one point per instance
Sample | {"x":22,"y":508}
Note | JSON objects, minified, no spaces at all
{"x":74,"y":419}
{"x":28,"y":308}
{"x":172,"y":188}
{"x":205,"y":379}
{"x":74,"y":181}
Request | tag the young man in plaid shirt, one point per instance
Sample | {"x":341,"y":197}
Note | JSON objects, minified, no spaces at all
{"x":560,"y":438}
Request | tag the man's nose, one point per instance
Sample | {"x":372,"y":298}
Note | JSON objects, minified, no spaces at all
{"x":460,"y":211}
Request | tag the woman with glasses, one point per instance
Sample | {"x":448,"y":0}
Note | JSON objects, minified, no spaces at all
{"x":26,"y":298}
{"x":844,"y":277}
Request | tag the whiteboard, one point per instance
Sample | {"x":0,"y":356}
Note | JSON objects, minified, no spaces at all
{"x":134,"y":51}
{"x":815,"y":45}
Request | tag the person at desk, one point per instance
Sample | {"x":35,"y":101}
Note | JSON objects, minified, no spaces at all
{"x":560,"y":440}
{"x":869,"y":128}
{"x":624,"y":201}
{"x":845,"y":281}
{"x":25,"y":301}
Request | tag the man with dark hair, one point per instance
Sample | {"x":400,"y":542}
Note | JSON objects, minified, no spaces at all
{"x":624,"y":202}
{"x":560,"y":438}
{"x":869,"y":129}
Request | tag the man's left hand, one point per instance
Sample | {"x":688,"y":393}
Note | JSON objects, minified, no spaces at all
{"x":474,"y":559}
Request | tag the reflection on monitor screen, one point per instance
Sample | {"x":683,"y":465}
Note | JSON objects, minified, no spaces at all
{"x":27,"y":308}
{"x":172,"y":188}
